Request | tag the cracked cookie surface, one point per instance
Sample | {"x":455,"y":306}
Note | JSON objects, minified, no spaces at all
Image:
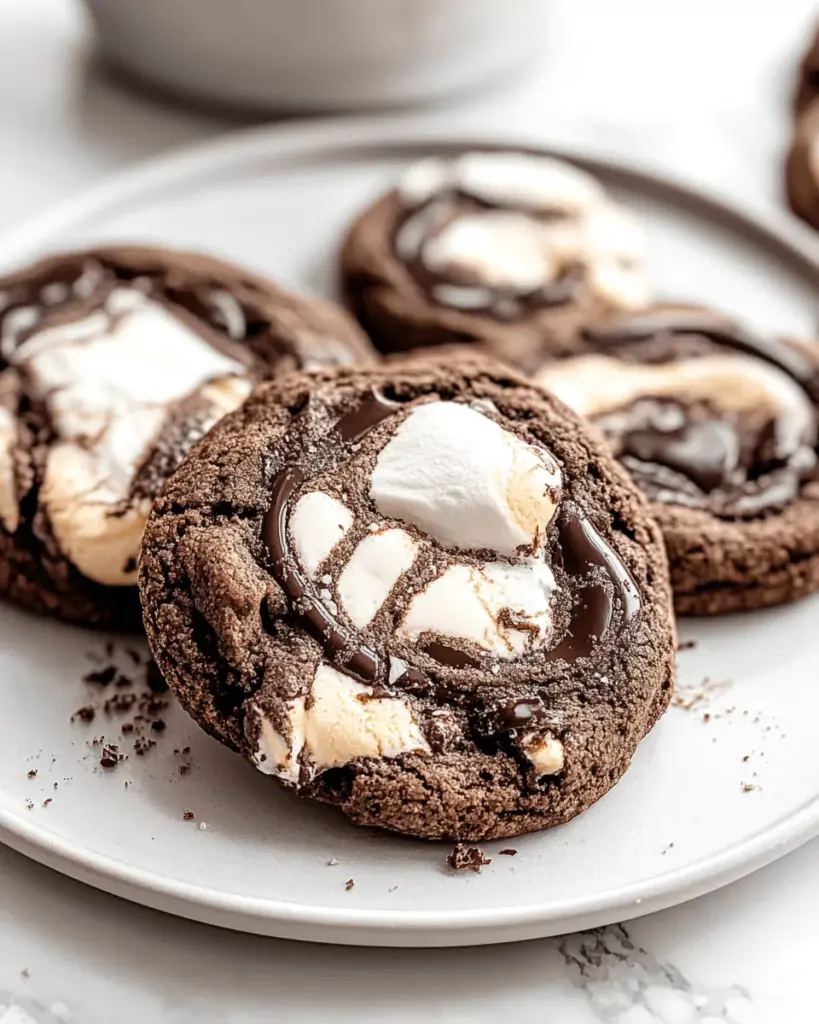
{"x":421,"y":592}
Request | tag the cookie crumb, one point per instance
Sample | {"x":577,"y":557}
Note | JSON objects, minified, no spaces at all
{"x":47,"y":801}
{"x":332,"y":862}
{"x":31,"y":773}
{"x":392,"y":888}
{"x":110,"y":756}
{"x":86,"y":714}
{"x":349,"y":884}
{"x":103,"y":676}
{"x":748,"y":786}
{"x":188,"y":815}
{"x":25,"y":974}
{"x":686,"y":645}
{"x":467,"y":858}
{"x":509,"y":852}
{"x":29,"y":805}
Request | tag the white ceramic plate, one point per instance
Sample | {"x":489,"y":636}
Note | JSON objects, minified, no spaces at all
{"x":680,"y":823}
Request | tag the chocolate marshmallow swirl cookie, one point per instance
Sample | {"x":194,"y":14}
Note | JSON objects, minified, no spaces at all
{"x":719,"y":428}
{"x":422,"y":593}
{"x":513,"y":250}
{"x":113,"y":362}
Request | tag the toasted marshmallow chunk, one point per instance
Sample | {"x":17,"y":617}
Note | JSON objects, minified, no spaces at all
{"x":317,"y":523}
{"x":465,"y":481}
{"x":594,"y":385}
{"x":109,"y":385}
{"x":505,"y":609}
{"x":372,"y":571}
{"x":9,"y":505}
{"x":276,"y":755}
{"x":545,"y":753}
{"x":335,"y":727}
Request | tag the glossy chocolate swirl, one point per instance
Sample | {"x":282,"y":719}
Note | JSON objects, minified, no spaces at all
{"x":507,"y":233}
{"x":702,"y":412}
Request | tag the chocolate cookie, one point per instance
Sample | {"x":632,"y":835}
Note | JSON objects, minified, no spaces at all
{"x":802,"y":166}
{"x":808,"y":86}
{"x":113,"y":362}
{"x":421,"y":592}
{"x":512,"y":250}
{"x":718,"y":427}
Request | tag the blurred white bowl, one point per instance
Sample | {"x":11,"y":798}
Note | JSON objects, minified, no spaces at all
{"x":318,"y":54}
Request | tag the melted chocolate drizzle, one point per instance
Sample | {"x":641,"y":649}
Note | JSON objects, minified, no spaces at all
{"x":583,"y":551}
{"x":339,"y":645}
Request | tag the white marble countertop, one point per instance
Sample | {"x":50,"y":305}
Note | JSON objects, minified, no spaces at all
{"x":700,"y":88}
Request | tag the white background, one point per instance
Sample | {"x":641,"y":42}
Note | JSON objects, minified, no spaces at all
{"x":699,"y":87}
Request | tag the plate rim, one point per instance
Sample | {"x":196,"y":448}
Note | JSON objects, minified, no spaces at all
{"x":382,"y":926}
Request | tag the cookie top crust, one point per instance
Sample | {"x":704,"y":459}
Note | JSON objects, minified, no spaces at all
{"x":702,"y":412}
{"x":512,"y":249}
{"x":430,"y":558}
{"x":113,"y":362}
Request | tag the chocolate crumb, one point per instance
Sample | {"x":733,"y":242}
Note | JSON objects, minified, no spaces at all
{"x":184,"y":769}
{"x":103,"y":676}
{"x":158,"y":725}
{"x":30,"y":805}
{"x":142,"y":745}
{"x":349,"y":884}
{"x":134,"y":655}
{"x":110,"y":756}
{"x":392,"y":888}
{"x":686,"y":645}
{"x":25,"y":974}
{"x":467,"y":858}
{"x":31,"y":773}
{"x":86,"y":714}
{"x":188,"y":815}
{"x":509,"y":852}
{"x":127,"y":728}
{"x":186,"y":750}
{"x":47,"y":801}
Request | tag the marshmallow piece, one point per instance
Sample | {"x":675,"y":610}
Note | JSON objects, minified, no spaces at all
{"x":504,"y":609}
{"x":545,"y":753}
{"x":337,"y":727}
{"x":465,"y":481}
{"x":501,"y":248}
{"x":276,"y":755}
{"x":109,"y":385}
{"x":317,"y":523}
{"x":9,"y":506}
{"x":503,"y":179}
{"x":595,"y":385}
{"x":372,"y":572}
